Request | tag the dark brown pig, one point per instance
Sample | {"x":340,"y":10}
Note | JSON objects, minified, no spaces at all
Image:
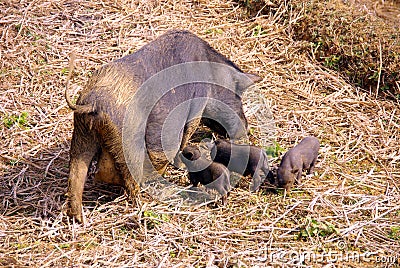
{"x":139,"y":111}
{"x":211,"y":174}
{"x":243,"y":159}
{"x":301,"y":157}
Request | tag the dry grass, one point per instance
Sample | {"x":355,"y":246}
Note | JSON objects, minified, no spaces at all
{"x":357,"y":38}
{"x":351,"y":205}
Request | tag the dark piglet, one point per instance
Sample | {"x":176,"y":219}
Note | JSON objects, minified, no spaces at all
{"x":210,"y":174}
{"x":301,"y":157}
{"x":243,"y":159}
{"x":105,"y":102}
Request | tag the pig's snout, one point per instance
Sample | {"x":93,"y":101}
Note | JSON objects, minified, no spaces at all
{"x":178,"y":161}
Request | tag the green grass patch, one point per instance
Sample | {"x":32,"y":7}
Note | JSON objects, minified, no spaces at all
{"x":20,"y":120}
{"x":394,"y":233}
{"x":274,"y":150}
{"x":314,"y":228}
{"x":153,"y":218}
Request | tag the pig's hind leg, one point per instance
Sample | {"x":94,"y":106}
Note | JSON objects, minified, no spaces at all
{"x":83,"y":149}
{"x":265,"y":169}
{"x":187,"y":133}
{"x":256,"y":182}
{"x":106,"y":170}
{"x":258,"y":176}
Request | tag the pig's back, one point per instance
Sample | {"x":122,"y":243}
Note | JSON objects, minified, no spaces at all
{"x":112,"y":87}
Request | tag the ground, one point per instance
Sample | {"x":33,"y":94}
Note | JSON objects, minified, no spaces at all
{"x":347,"y":214}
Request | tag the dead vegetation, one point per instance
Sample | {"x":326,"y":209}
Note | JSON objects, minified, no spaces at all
{"x":350,"y":208}
{"x":357,"y":38}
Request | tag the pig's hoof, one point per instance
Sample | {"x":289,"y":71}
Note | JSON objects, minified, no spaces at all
{"x":78,"y":216}
{"x":255,"y":185}
{"x":74,"y":212}
{"x":287,"y":192}
{"x":254,"y":188}
{"x":224,"y":200}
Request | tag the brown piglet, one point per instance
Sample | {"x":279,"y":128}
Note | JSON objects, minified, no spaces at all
{"x":243,"y":159}
{"x":210,"y":174}
{"x":301,"y":157}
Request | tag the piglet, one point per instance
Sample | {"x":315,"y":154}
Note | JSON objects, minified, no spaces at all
{"x":210,"y":174}
{"x":302,"y":156}
{"x":243,"y":159}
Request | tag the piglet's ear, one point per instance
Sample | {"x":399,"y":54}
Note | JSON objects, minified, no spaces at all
{"x":189,"y":156}
{"x":209,"y":145}
{"x":253,"y":77}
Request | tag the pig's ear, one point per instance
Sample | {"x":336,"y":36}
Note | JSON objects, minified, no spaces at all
{"x":208,"y":145}
{"x":295,"y":171}
{"x":253,"y":77}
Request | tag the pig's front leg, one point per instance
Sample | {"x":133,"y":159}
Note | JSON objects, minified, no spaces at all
{"x":298,"y":178}
{"x":312,"y":166}
{"x":188,"y":131}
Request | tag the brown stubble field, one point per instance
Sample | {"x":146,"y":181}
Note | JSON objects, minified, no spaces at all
{"x":346,"y":215}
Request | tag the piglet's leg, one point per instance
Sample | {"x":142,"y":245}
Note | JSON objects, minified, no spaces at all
{"x":227,"y":186}
{"x":83,"y":149}
{"x":298,"y":178}
{"x":220,"y":184}
{"x":255,"y":184}
{"x":311,"y":169}
{"x":195,"y":183}
{"x":259,"y":177}
{"x":266,"y":173}
{"x":220,"y":189}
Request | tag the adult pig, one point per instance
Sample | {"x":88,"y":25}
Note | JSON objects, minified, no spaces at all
{"x":139,"y":111}
{"x":301,"y":157}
